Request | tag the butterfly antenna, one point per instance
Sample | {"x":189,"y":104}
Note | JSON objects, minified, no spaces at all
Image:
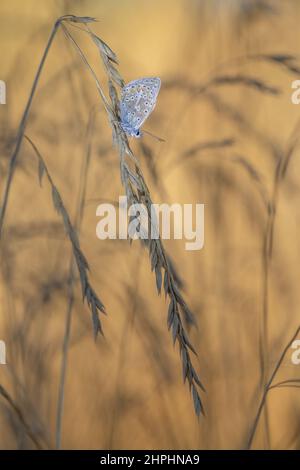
{"x":154,"y":136}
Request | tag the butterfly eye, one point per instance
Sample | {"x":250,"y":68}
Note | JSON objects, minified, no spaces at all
{"x":145,"y":112}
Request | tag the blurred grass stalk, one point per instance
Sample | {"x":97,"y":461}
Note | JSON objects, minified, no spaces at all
{"x":22,"y":126}
{"x":83,"y":177}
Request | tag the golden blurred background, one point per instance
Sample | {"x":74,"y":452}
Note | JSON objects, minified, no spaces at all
{"x":230,"y":127}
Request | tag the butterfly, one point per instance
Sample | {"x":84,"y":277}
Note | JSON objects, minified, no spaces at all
{"x":138,"y":100}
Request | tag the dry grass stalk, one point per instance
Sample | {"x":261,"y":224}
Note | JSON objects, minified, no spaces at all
{"x":94,"y":303}
{"x":138,"y":192}
{"x":23,"y":123}
{"x":269,"y":386}
{"x":35,"y":439}
{"x":71,"y":282}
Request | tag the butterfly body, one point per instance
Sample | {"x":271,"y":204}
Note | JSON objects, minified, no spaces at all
{"x":137,"y":102}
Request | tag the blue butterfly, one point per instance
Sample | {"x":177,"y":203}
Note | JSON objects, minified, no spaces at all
{"x":137,"y":103}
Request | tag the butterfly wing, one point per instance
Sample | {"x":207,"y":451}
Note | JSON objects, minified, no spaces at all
{"x":138,"y":101}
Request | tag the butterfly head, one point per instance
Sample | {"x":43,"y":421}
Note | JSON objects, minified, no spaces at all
{"x":131,"y":131}
{"x":137,"y":133}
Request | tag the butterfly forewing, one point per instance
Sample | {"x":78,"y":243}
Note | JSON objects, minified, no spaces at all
{"x":138,"y":101}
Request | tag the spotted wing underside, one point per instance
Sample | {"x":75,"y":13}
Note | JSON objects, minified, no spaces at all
{"x":138,"y":101}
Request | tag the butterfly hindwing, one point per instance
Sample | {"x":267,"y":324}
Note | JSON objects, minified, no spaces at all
{"x":138,"y":101}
